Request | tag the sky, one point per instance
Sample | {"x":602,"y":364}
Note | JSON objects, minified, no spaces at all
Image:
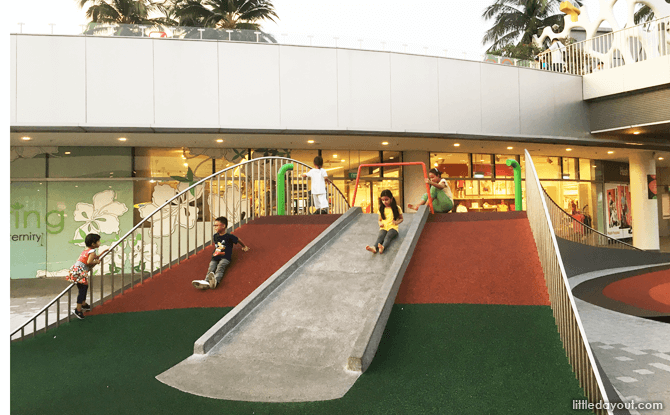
{"x":448,"y":24}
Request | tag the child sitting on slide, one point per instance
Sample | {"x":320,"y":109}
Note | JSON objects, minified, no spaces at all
{"x":390,"y":216}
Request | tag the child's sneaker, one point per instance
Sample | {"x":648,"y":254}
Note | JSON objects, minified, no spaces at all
{"x":79,"y":314}
{"x":211,"y":279}
{"x":86,"y":307}
{"x":200,"y":284}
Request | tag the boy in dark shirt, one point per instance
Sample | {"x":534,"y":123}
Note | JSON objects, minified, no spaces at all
{"x":222,"y":254}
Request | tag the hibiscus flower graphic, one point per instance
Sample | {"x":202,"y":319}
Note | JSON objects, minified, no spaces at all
{"x":100,"y":217}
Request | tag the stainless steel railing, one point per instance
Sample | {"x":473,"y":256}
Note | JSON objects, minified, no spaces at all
{"x":563,"y":305}
{"x":182,"y":226}
{"x":567,"y":227}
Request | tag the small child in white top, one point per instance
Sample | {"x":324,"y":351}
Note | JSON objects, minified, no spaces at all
{"x":319,"y":177}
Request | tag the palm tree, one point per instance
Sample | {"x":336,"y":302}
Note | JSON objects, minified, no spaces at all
{"x":118,"y":11}
{"x":225,"y":14}
{"x":242,"y":16}
{"x":644,"y":14}
{"x":516,"y":21}
{"x":123,"y":12}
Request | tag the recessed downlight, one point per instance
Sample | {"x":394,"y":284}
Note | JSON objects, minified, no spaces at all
{"x":26,"y":138}
{"x":310,"y":141}
{"x":457,"y":145}
{"x":220,"y":140}
{"x":385,"y":143}
{"x":122,"y":139}
{"x":610,"y":152}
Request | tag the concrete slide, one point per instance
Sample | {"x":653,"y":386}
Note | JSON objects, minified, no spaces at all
{"x":312,"y":328}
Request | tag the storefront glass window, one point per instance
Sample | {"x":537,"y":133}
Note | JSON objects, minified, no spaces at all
{"x":547,"y":167}
{"x":169,"y":162}
{"x":569,"y":168}
{"x":451,"y":164}
{"x":88,"y":162}
{"x":504,"y":171}
{"x":24,"y":168}
{"x":586,"y":169}
{"x":482,"y":165}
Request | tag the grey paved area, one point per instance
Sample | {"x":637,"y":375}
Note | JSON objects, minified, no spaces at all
{"x":295,"y":345}
{"x":29,"y":296}
{"x":634,"y":352}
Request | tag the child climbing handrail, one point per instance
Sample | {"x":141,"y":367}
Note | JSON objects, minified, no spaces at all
{"x":413,"y":163}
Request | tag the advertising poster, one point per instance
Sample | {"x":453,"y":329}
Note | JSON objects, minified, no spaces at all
{"x":619,"y":217}
{"x":651,"y":186}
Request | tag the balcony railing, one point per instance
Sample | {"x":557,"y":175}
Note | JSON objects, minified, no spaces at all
{"x":635,"y":44}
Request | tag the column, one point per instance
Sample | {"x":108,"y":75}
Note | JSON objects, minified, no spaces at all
{"x":414,"y":185}
{"x":643,"y":209}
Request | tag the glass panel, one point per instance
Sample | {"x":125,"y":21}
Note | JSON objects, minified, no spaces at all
{"x":168,"y":162}
{"x":569,"y":168}
{"x":91,"y":162}
{"x":586,"y":169}
{"x":364,"y":194}
{"x":34,"y":167}
{"x":482,"y":165}
{"x":547,"y":167}
{"x":393,"y":171}
{"x":503,"y":171}
{"x":28,"y":228}
{"x":335,"y":162}
{"x":102,"y":207}
{"x":451,"y":164}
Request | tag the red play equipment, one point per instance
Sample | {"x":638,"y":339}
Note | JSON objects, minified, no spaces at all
{"x":414,"y":163}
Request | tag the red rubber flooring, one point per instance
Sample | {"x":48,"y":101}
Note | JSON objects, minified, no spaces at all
{"x":273,"y":242}
{"x":475,"y":259}
{"x":647,"y":291}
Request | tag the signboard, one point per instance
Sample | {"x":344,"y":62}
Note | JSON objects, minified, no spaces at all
{"x":651,"y":186}
{"x":618,"y":214}
{"x":352,"y":176}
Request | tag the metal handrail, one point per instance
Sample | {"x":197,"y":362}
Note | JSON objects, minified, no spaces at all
{"x":567,"y":227}
{"x":258,"y":177}
{"x":563,"y":305}
{"x":611,"y":50}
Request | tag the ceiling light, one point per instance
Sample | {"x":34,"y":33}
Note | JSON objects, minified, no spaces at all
{"x":435,"y":164}
{"x":385,"y":143}
{"x":342,"y":160}
{"x":26,"y":138}
{"x":310,"y":141}
{"x":220,"y":140}
{"x":634,"y":144}
{"x":185,"y":164}
{"x":610,"y":152}
{"x":660,"y":158}
{"x":391,"y":158}
{"x":510,"y":148}
{"x":636,"y":132}
{"x":478,"y":175}
{"x":122,"y":139}
{"x":67,"y":152}
{"x":334,"y":156}
{"x":568,"y":149}
{"x":456,"y":145}
{"x":566,"y":176}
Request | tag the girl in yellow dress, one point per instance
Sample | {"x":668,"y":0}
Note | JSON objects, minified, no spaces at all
{"x":390,"y":216}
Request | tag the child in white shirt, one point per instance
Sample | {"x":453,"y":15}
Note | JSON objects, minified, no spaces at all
{"x":319,"y":178}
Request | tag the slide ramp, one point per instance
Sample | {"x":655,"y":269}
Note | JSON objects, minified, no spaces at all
{"x":310,"y":331}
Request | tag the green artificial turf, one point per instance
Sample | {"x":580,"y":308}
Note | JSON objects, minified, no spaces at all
{"x":433,"y":359}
